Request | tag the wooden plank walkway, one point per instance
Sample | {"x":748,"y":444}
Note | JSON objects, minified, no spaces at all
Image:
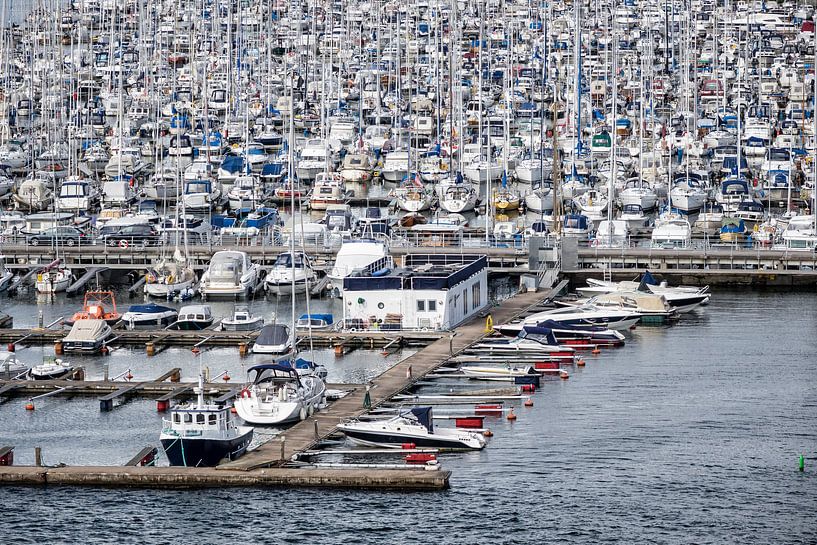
{"x":163,"y":338}
{"x":303,"y":436}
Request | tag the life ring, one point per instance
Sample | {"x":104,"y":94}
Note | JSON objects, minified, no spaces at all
{"x":244,"y":394}
{"x":123,"y":244}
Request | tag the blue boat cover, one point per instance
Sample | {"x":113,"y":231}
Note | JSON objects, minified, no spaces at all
{"x":328,"y":318}
{"x":424,"y":417}
{"x":150,"y":308}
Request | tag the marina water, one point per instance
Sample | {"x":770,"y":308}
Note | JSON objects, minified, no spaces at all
{"x":689,"y":434}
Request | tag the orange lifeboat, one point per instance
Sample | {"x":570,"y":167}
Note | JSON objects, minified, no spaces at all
{"x":98,"y":305}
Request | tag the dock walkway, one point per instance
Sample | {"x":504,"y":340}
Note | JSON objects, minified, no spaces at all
{"x":303,"y":436}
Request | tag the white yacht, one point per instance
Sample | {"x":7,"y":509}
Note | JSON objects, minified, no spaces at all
{"x":230,"y":274}
{"x":288,"y":275}
{"x":279,"y":394}
{"x":416,"y":426}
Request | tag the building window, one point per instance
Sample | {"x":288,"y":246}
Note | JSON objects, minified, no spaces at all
{"x":464,"y":302}
{"x":213,"y":420}
{"x":475,"y":296}
{"x":432,"y":306}
{"x":199,"y":418}
{"x":421,"y":306}
{"x":188,"y":418}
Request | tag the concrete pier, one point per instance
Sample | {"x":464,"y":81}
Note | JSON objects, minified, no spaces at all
{"x":188,"y":477}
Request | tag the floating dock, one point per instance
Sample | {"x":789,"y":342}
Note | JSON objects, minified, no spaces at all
{"x":265,"y":465}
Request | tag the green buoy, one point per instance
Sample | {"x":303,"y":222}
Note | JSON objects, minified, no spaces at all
{"x":802,"y":464}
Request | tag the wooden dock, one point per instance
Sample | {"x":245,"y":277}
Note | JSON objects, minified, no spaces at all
{"x":264,"y":466}
{"x":162,"y":338}
{"x":308,"y":433}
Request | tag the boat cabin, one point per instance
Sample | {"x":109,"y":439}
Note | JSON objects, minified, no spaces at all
{"x":436,"y":292}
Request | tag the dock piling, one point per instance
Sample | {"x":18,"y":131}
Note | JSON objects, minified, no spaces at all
{"x":38,"y":456}
{"x":283,"y":446}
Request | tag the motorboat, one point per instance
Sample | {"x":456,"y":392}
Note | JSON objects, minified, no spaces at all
{"x":328,"y":189}
{"x":652,"y":308}
{"x":87,"y":335}
{"x":318,"y":322}
{"x":530,"y":341}
{"x":149,"y":314}
{"x":51,"y":369}
{"x":579,"y":336}
{"x":273,"y":339}
{"x":201,"y":195}
{"x":587,"y":315}
{"x":279,"y":394}
{"x":497,"y":373}
{"x":671,"y":231}
{"x":410,"y":426}
{"x":637,"y":220}
{"x":242,"y":320}
{"x":11,"y":367}
{"x":230,"y":274}
{"x":681,"y":298}
{"x":288,"y":275}
{"x":203,"y":434}
{"x":193,"y":318}
{"x":97,"y":305}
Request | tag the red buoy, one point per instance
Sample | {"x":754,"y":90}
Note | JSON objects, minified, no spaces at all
{"x":11,"y":347}
{"x":408,"y":446}
{"x":30,"y":405}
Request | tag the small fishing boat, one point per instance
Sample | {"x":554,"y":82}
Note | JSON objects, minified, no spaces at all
{"x":150,"y":314}
{"x":242,"y":320}
{"x":416,"y":426}
{"x":203,"y":434}
{"x":193,"y":318}
{"x":51,"y":369}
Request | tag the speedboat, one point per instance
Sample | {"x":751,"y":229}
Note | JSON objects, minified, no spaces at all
{"x":193,"y":318}
{"x":589,"y":314}
{"x":273,"y":339}
{"x":531,"y":341}
{"x":203,"y":434}
{"x":231,"y":274}
{"x":415,"y":426}
{"x":87,"y":335}
{"x":279,"y":394}
{"x":289,"y":275}
{"x":495,"y":373}
{"x":150,"y":314}
{"x":51,"y":369}
{"x":242,"y":320}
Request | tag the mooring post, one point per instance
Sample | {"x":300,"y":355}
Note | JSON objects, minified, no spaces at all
{"x":316,"y":429}
{"x":38,"y":456}
{"x":105,"y":370}
{"x":283,"y":445}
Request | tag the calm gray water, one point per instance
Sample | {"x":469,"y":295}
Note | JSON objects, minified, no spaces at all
{"x":689,"y":434}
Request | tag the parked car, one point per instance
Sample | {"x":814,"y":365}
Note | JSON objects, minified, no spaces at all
{"x":138,"y":235}
{"x":67,"y":235}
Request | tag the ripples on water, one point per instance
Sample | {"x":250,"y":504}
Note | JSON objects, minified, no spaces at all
{"x":689,"y":434}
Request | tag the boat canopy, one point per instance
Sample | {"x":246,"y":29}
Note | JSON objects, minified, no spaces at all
{"x":87,"y":330}
{"x":542,"y":335}
{"x":271,"y":372}
{"x":424,"y":416}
